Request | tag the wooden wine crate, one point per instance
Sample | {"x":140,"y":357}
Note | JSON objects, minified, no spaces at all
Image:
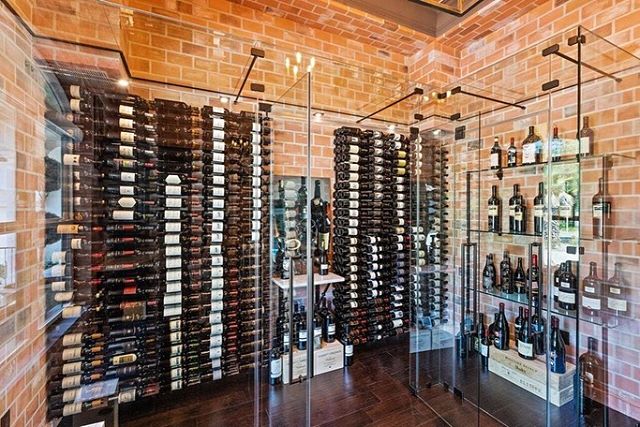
{"x":531,"y":375}
{"x":329,"y":357}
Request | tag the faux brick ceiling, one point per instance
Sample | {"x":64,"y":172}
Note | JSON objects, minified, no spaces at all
{"x":363,"y":26}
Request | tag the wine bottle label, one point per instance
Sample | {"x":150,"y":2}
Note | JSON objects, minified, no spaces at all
{"x":122,"y":215}
{"x":126,"y":123}
{"x":216,"y":237}
{"x":74,"y":91}
{"x":173,"y":190}
{"x":217,"y":215}
{"x":566,"y":297}
{"x":173,"y":251}
{"x":215,"y":249}
{"x":174,"y":287}
{"x":217,"y":272}
{"x":512,"y":211}
{"x":217,"y":204}
{"x":484,"y":350}
{"x":176,"y":349}
{"x":591,"y":303}
{"x":494,"y":160}
{"x":176,"y":373}
{"x":217,"y":260}
{"x":616,"y":303}
{"x":217,"y":226}
{"x":215,"y":317}
{"x":526,"y":349}
{"x":76,"y":243}
{"x":70,"y":395}
{"x":72,"y":382}
{"x":71,"y":159}
{"x":173,"y":202}
{"x":218,"y":134}
{"x":74,"y":104}
{"x":331,"y":329}
{"x":218,"y":146}
{"x":176,"y":385}
{"x":71,"y":368}
{"x":174,"y":325}
{"x":63,"y":296}
{"x":218,"y":123}
{"x":565,"y":211}
{"x":59,"y":257}
{"x":126,"y":110}
{"x":175,"y":336}
{"x":216,"y":295}
{"x":173,"y":275}
{"x":218,"y":192}
{"x":218,"y":169}
{"x":173,"y":262}
{"x":218,"y":157}
{"x":171,"y":214}
{"x":538,"y":211}
{"x":217,"y":283}
{"x":256,"y":138}
{"x":68,"y":229}
{"x":215,"y":341}
{"x":127,"y":177}
{"x":172,"y":227}
{"x":215,"y":353}
{"x":71,"y":339}
{"x":216,"y":329}
{"x":585,"y":145}
{"x":216,"y":306}
{"x":348,"y":350}
{"x":127,"y":137}
{"x":518,"y":216}
{"x":493,"y":211}
{"x":71,"y":312}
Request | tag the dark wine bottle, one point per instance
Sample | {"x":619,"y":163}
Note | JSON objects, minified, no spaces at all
{"x":512,"y":154}
{"x":538,"y":211}
{"x":568,"y":289}
{"x":501,"y":330}
{"x":592,"y":293}
{"x":586,"y":138}
{"x":525,"y":338}
{"x":495,"y":158}
{"x":489,"y":275}
{"x":519,"y":278}
{"x":591,"y":378}
{"x":557,"y":351}
{"x":506,"y":274}
{"x":601,"y":210}
{"x":494,"y":211}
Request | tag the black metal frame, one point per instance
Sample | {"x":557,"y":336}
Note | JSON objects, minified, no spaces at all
{"x":416,"y":91}
{"x":255,"y":54}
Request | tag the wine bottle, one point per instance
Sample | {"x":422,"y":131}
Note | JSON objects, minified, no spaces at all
{"x":489,"y":274}
{"x":557,"y":146}
{"x":501,"y":330}
{"x":556,"y":282}
{"x":601,"y":210}
{"x":531,"y":148}
{"x":535,"y":277}
{"x":519,"y":278}
{"x":591,"y":378}
{"x":519,"y":212}
{"x":275,"y":366}
{"x":494,"y":211}
{"x":506,"y":274}
{"x":568,"y":289}
{"x":525,"y":338}
{"x":538,"y":211}
{"x":617,"y":292}
{"x":557,"y":351}
{"x":484,"y":342}
{"x":496,"y":154}
{"x":517,"y":323}
{"x":586,"y":138}
{"x":512,"y":154}
{"x":591,"y":293}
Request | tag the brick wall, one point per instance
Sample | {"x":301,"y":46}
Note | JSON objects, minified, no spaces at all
{"x":22,"y":335}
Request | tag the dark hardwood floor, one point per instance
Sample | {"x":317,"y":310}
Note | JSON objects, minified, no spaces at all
{"x":374,"y":391}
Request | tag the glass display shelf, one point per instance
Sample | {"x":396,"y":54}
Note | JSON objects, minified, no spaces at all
{"x":300,"y":280}
{"x":506,"y":233}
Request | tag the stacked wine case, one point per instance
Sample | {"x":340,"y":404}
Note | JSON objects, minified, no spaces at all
{"x":161,"y":290}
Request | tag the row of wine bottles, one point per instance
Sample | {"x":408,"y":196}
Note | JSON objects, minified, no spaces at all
{"x":595,"y":295}
{"x":166,"y":291}
{"x":498,"y":335}
{"x":564,"y":210}
{"x":532,"y":148}
{"x":371,"y":243}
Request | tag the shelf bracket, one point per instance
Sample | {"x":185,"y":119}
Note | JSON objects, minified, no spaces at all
{"x":416,"y":91}
{"x":255,"y":54}
{"x":555,"y":50}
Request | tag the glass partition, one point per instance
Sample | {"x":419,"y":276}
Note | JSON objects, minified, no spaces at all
{"x":531,"y":179}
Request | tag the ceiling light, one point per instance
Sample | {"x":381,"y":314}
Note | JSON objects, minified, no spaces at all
{"x":436,"y":132}
{"x":391,"y":128}
{"x":123,"y":83}
{"x":287,"y":63}
{"x":224,"y":99}
{"x":298,"y":57}
{"x":318,"y":116}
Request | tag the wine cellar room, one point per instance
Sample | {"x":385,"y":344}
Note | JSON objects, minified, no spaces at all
{"x":294,"y":213}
